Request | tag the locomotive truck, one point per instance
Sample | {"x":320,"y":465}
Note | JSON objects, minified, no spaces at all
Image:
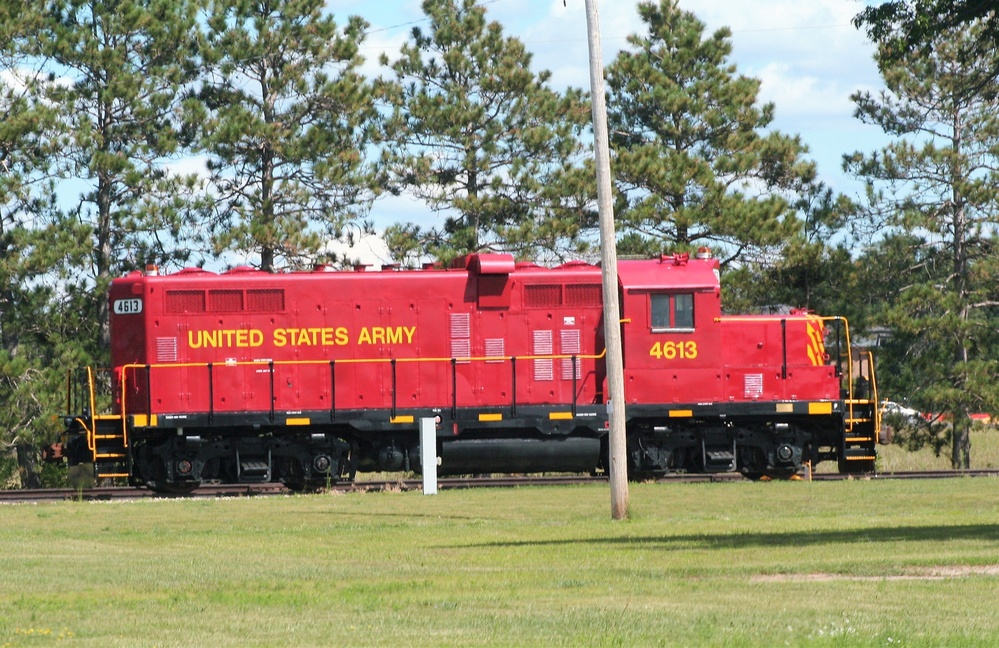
{"x":309,"y":377}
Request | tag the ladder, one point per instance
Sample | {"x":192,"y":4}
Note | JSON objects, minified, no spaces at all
{"x":109,"y":444}
{"x":860,"y":438}
{"x":104,"y":435}
{"x":862,"y":426}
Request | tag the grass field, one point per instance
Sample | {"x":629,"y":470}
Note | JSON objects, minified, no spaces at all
{"x":854,"y":563}
{"x":893,"y":458}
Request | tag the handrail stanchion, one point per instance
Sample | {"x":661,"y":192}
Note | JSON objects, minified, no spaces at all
{"x":149,"y":390}
{"x":513,"y":390}
{"x":211,"y":394}
{"x":332,"y":390}
{"x":395,"y":388}
{"x":454,"y":388}
{"x":270,"y":367}
{"x":573,"y":360}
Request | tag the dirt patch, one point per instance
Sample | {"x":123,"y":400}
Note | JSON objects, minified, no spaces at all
{"x":915,"y":573}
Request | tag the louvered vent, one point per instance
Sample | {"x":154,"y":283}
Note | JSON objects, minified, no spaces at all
{"x":495,"y":348}
{"x":166,"y":349}
{"x":753,"y":385}
{"x":570,"y":345}
{"x":461,"y":325}
{"x":461,"y":349}
{"x":543,"y":367}
{"x":461,"y":333}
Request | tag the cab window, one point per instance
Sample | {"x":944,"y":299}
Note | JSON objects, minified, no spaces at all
{"x":683,"y":311}
{"x":672,"y":312}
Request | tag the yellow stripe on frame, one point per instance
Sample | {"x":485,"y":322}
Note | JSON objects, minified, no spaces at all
{"x":681,"y":413}
{"x":785,"y":408}
{"x":490,"y":417}
{"x":408,"y":418}
{"x":559,"y":416}
{"x":820,"y":408}
{"x":298,"y":421}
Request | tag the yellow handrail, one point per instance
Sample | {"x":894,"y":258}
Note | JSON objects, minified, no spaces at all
{"x":92,"y":429}
{"x":874,"y":394}
{"x":91,"y":435}
{"x":267,"y":363}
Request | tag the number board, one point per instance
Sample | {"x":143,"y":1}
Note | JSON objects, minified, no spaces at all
{"x":127,"y":306}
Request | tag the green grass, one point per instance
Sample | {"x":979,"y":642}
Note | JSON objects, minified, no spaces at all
{"x":896,"y":458}
{"x":984,"y":454}
{"x":854,"y":563}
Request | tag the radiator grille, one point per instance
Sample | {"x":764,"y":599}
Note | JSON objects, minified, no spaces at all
{"x":225,"y":301}
{"x":185,"y":301}
{"x":584,"y":295}
{"x":265,"y":300}
{"x":543,"y":296}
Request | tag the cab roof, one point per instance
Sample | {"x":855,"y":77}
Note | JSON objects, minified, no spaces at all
{"x":672,"y":272}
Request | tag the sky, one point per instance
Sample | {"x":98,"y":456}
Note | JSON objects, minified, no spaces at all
{"x":807,"y":54}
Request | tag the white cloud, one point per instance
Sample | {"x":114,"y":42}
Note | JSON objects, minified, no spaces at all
{"x":368,"y":250}
{"x":195,"y":165}
{"x":12,"y":79}
{"x":379,"y":42}
{"x":799,"y":95}
{"x":808,"y":55}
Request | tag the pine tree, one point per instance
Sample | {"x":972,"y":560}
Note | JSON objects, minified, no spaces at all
{"x":692,"y":165}
{"x":39,"y":310}
{"x":813,"y":270}
{"x":907,"y":27}
{"x":935,"y":187}
{"x":479,"y":137}
{"x":285,"y":120}
{"x":119,"y":67}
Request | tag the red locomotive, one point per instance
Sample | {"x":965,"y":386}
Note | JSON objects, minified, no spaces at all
{"x":307,"y":377}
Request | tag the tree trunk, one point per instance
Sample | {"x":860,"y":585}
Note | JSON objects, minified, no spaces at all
{"x":26,"y":458}
{"x":960,"y":456}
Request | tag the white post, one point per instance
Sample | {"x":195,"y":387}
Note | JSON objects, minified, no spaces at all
{"x":428,"y":454}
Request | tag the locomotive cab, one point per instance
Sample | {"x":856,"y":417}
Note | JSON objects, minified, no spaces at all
{"x":760,"y":395}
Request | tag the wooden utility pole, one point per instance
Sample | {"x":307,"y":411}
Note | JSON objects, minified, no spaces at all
{"x":608,"y":258}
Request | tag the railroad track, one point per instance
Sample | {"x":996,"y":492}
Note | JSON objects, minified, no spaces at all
{"x":217,"y":491}
{"x":914,"y":474}
{"x":127,"y":492}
